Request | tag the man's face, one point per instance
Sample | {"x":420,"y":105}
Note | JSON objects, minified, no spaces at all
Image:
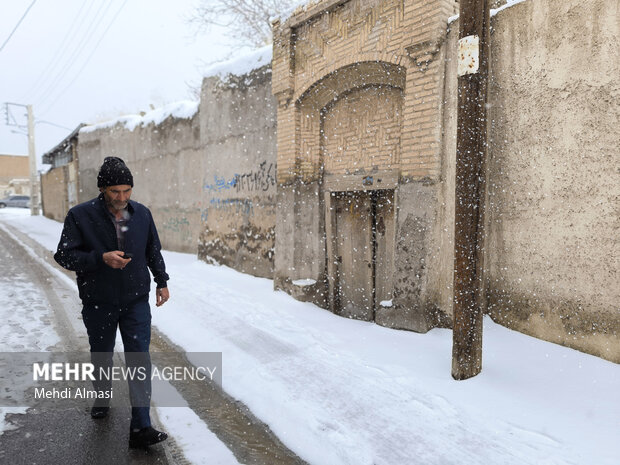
{"x":117,"y":197}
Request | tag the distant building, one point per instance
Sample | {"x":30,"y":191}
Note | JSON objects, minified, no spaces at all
{"x":59,"y":184}
{"x":14,"y":175}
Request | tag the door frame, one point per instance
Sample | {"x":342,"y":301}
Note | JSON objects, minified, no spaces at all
{"x":330,"y":189}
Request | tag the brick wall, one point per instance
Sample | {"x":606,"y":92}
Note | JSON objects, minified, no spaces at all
{"x":362,"y":131}
{"x":359,"y":86}
{"x":339,"y":45}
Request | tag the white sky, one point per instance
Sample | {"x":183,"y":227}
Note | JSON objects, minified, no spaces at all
{"x":148,"y":55}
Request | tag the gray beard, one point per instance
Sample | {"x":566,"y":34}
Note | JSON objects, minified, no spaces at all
{"x":110,"y":205}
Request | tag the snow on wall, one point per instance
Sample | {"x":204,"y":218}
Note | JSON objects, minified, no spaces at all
{"x":493,"y":11}
{"x":184,"y":109}
{"x":242,"y":64}
{"x":216,"y":157}
{"x":298,"y":6}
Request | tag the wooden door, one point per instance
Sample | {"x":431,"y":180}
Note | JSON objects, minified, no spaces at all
{"x":353,"y":255}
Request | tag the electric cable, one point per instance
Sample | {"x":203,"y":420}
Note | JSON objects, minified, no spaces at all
{"x":17,"y":25}
{"x":92,"y":27}
{"x":55,"y":60}
{"x":94,"y":49}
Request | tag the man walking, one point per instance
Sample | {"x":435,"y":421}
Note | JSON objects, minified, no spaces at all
{"x":111,"y":242}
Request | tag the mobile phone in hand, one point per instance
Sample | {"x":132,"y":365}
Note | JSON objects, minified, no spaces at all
{"x":127,"y":255}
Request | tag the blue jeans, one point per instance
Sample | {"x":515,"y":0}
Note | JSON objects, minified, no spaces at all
{"x":134,"y":321}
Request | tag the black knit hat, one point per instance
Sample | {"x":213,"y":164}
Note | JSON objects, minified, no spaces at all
{"x":114,"y":172}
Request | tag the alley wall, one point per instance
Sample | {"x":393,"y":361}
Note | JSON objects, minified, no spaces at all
{"x":58,"y":188}
{"x":157,"y":155}
{"x":238,"y":172}
{"x":552,"y":246}
{"x":207,"y":174}
{"x":551,"y":252}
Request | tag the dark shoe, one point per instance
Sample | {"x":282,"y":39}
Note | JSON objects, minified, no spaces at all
{"x":146,"y":437}
{"x":99,"y":412}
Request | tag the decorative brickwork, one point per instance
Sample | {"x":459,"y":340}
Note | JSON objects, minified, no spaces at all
{"x":361,"y":130}
{"x":359,"y":85}
{"x":334,"y":47}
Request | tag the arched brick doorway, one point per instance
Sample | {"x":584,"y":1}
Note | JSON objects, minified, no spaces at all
{"x":360,"y":146}
{"x":322,"y":54}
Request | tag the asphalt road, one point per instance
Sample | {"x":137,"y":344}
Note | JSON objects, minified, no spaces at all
{"x":69,"y":436}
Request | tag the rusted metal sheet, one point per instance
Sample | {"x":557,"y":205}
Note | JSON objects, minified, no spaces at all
{"x":468,"y":55}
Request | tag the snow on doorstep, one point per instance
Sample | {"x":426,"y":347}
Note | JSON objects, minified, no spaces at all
{"x":304,"y":282}
{"x":242,"y":64}
{"x":386,"y":303}
{"x":184,"y":109}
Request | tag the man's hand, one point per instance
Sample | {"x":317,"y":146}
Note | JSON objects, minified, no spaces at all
{"x":114,"y":259}
{"x":162,"y":295}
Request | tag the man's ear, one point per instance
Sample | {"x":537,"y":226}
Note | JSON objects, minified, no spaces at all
{"x":102,"y":189}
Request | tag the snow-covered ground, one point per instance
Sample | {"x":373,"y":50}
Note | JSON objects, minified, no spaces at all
{"x":340,"y":391}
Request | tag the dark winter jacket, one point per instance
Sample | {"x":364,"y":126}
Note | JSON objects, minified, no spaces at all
{"x":89,"y":232}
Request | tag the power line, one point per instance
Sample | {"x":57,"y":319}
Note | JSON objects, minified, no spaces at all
{"x":40,"y":121}
{"x":17,"y":25}
{"x":92,"y":28}
{"x":51,"y":65}
{"x":94,"y":49}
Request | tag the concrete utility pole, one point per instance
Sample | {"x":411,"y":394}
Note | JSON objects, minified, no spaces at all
{"x":34,"y":175}
{"x":473,"y":56}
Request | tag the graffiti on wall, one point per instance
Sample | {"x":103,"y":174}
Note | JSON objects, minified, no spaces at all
{"x":233,"y":206}
{"x":256,"y":180}
{"x":259,"y":180}
{"x":175,"y":225}
{"x":219,"y":184}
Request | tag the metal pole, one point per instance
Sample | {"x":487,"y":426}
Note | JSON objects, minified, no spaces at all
{"x":470,"y":155}
{"x":34,"y":175}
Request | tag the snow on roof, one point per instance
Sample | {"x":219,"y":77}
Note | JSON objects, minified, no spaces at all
{"x":242,"y":64}
{"x":238,"y":66}
{"x":184,"y":109}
